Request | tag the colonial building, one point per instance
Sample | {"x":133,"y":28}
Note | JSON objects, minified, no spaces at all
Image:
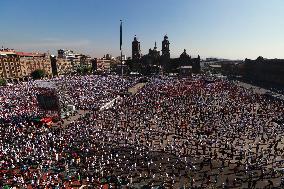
{"x":106,"y":64}
{"x":136,"y":51}
{"x":150,"y":63}
{"x":166,"y":47}
{"x":103,"y":65}
{"x":154,"y":63}
{"x":10,"y":67}
{"x":166,"y":57}
{"x":185,"y":61}
{"x":268,"y":72}
{"x":68,"y":62}
{"x":19,"y":65}
{"x":32,"y":61}
{"x":63,"y":66}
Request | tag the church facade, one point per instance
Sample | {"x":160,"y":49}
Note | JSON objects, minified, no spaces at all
{"x":156,"y":62}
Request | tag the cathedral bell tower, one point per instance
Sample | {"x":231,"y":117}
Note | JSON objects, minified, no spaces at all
{"x":166,"y":47}
{"x":136,"y":52}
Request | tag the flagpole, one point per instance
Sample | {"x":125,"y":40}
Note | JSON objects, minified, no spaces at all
{"x":121,"y":49}
{"x":121,"y":64}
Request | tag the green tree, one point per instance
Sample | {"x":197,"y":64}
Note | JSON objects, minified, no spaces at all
{"x":87,"y":70}
{"x":84,"y":70}
{"x":80,"y":70}
{"x":3,"y":82}
{"x":38,"y":74}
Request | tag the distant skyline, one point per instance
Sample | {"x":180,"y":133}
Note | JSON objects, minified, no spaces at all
{"x":229,"y":29}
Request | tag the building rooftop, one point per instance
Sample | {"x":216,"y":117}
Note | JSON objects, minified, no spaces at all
{"x":3,"y":53}
{"x":186,"y":67}
{"x":30,"y":54}
{"x":215,"y":66}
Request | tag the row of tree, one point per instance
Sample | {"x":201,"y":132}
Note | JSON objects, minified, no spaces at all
{"x":39,"y":74}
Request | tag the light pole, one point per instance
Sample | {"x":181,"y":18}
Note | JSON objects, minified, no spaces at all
{"x":122,"y":65}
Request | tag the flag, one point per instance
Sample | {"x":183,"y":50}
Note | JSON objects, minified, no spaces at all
{"x":120,"y":34}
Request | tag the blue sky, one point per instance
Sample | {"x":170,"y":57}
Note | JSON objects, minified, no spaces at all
{"x":234,"y":29}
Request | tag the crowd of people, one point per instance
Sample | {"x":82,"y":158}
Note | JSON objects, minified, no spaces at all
{"x":87,"y":92}
{"x":173,"y":133}
{"x":17,"y":103}
{"x":20,"y":102}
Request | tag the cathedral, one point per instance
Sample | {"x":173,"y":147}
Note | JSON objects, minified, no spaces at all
{"x":161,"y":63}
